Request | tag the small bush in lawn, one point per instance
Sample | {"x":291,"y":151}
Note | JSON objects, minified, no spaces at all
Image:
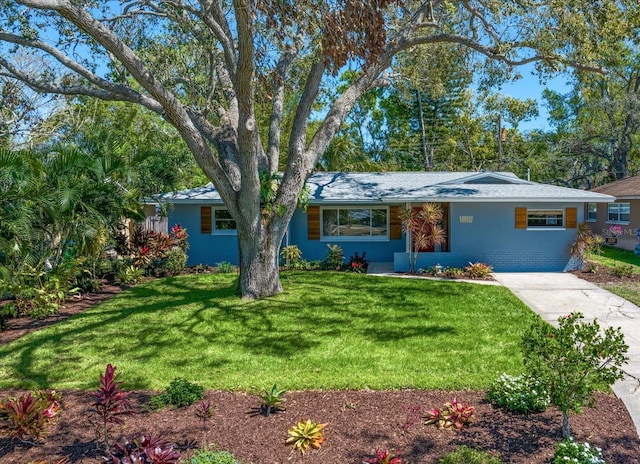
{"x":452,"y":415}
{"x":570,"y":451}
{"x":520,"y":394}
{"x":385,"y":457}
{"x":225,"y":267}
{"x":145,"y":450}
{"x":477,"y":270}
{"x":305,"y":435}
{"x":212,"y":457}
{"x":28,"y":416}
{"x":180,"y":393}
{"x":466,"y":455}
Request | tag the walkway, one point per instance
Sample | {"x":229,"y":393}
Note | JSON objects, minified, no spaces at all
{"x":552,"y":295}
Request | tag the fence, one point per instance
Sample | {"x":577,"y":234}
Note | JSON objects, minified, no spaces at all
{"x":156,"y":224}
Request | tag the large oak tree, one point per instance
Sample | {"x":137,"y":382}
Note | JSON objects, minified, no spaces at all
{"x":211,"y":67}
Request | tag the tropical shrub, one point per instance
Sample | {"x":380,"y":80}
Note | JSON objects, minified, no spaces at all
{"x":452,"y":272}
{"x":358,"y":263}
{"x":225,"y":267}
{"x":305,"y":435}
{"x":206,"y":456}
{"x":28,"y":416}
{"x":291,"y":255}
{"x":110,"y":402}
{"x":145,"y":450}
{"x":452,"y":415}
{"x":568,"y":451}
{"x":477,"y":271}
{"x":273,"y":400}
{"x":573,"y":360}
{"x":623,"y":271}
{"x":335,"y":257}
{"x":204,"y":412}
{"x":175,"y":261}
{"x":385,"y":457}
{"x":129,"y":275}
{"x":520,"y":394}
{"x":466,"y":455}
{"x":424,"y":226}
{"x":179,"y":393}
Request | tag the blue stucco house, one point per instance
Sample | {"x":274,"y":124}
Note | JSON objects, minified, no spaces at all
{"x":491,"y":217}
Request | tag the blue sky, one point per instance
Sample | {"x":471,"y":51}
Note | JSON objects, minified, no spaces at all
{"x":530,"y":87}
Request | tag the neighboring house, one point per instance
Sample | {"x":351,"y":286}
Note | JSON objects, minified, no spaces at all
{"x":491,"y":217}
{"x":624,"y":212}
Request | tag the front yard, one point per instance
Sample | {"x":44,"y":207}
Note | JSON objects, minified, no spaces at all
{"x":326,"y":330}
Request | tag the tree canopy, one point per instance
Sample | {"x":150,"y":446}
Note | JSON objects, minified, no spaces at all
{"x":242,"y":81}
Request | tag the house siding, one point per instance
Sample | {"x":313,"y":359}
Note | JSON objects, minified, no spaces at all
{"x":313,"y":249}
{"x":487,"y":232}
{"x":204,"y":248}
{"x":628,"y":240}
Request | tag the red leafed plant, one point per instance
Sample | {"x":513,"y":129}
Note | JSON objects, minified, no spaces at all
{"x":385,"y":457}
{"x":145,"y":450}
{"x":453,"y":415}
{"x":29,"y":415}
{"x":110,"y":403}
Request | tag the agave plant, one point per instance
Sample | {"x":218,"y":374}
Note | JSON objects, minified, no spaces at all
{"x":307,"y":434}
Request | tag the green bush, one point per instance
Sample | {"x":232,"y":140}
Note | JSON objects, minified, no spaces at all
{"x":176,"y":261}
{"x":213,"y":457}
{"x":225,"y":267}
{"x":521,"y":394}
{"x":335,"y":257}
{"x":623,"y":271}
{"x":466,"y":455}
{"x":570,"y":451}
{"x":180,"y":393}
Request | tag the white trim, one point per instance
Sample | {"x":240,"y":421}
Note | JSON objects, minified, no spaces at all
{"x":214,"y":230}
{"x":355,"y":238}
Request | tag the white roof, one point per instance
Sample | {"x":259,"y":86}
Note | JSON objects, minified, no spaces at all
{"x":399,"y":187}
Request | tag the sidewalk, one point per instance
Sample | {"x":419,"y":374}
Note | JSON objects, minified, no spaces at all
{"x":552,"y":295}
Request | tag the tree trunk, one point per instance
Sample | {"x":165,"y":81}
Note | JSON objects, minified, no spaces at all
{"x":566,"y":431}
{"x":259,"y":271}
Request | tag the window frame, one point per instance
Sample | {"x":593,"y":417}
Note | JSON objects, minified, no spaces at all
{"x":619,"y":207}
{"x":563,"y":226}
{"x":355,"y":238}
{"x":214,"y":220}
{"x":595,"y":212}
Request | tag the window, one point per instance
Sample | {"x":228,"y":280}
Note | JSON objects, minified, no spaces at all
{"x":619,"y":212}
{"x":355,"y":223}
{"x":592,"y":212}
{"x":223,"y":223}
{"x":545,"y":218}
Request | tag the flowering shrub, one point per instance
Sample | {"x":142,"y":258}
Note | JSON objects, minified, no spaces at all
{"x":615,"y":230}
{"x":568,"y":451}
{"x":521,"y":394}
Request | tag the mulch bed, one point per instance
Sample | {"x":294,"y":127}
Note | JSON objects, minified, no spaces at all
{"x":359,"y":422}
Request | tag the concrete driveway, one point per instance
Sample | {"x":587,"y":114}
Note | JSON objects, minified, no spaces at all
{"x":552,"y":295}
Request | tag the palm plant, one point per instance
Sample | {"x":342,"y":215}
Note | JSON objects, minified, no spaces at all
{"x":423,"y":226}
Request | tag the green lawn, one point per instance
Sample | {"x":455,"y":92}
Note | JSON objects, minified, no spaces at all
{"x":326,"y":330}
{"x":615,"y":257}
